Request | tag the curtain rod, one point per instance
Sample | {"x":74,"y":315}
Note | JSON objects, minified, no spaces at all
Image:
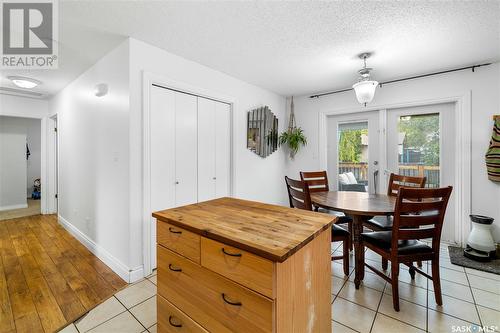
{"x":473,"y":67}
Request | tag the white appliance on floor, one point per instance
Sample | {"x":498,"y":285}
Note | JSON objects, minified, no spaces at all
{"x":480,"y":244}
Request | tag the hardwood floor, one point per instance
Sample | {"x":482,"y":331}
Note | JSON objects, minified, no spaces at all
{"x":47,"y":277}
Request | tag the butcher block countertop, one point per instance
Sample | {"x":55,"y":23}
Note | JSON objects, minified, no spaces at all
{"x":272,"y":232}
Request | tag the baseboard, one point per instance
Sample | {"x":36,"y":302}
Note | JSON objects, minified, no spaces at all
{"x":2,"y":208}
{"x":127,"y":274}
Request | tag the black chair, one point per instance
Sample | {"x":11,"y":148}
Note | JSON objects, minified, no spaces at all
{"x":299,"y":197}
{"x":318,"y":182}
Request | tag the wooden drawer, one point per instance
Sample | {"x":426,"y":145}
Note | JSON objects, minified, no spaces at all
{"x":172,"y":320}
{"x":241,"y":266}
{"x":179,"y":240}
{"x":216,"y":303}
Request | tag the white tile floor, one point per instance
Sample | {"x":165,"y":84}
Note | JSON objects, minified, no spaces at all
{"x":471,"y":298}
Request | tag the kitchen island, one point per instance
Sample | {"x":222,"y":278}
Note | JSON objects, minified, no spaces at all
{"x":231,"y":265}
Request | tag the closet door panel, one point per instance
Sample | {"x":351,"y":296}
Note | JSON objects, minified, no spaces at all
{"x":186,"y":151}
{"x":222,"y":150}
{"x":162,"y":152}
{"x":162,"y":136}
{"x":206,"y":149}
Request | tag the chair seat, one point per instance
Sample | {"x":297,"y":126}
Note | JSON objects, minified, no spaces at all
{"x":380,"y":222}
{"x":339,"y":231}
{"x":382,"y":240}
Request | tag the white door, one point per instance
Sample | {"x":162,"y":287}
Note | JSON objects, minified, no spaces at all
{"x":186,"y":151}
{"x":222,"y":150}
{"x":421,"y":142}
{"x":206,"y":148}
{"x":353,"y":152}
{"x":214,"y":144}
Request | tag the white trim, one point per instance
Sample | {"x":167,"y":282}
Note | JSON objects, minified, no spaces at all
{"x":2,"y":208}
{"x":463,"y":116}
{"x":148,"y":79}
{"x":112,"y":262}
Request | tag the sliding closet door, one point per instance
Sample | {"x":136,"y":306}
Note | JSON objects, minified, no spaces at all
{"x":186,"y":151}
{"x":207,"y":121}
{"x":222,"y":150}
{"x":162,"y":149}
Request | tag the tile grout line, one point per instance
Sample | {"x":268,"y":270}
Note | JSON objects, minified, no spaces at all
{"x":474,"y":299}
{"x":378,"y":307}
{"x":345,"y":326}
{"x":128,"y":310}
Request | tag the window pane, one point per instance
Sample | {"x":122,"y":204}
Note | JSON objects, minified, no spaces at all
{"x":418,"y":147}
{"x":353,"y":156}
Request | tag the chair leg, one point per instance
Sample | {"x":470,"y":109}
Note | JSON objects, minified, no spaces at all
{"x":385,"y":264}
{"x":345,"y":258}
{"x":349,"y":228}
{"x":419,"y":264}
{"x":412,"y":271}
{"x":316,"y":208}
{"x":395,"y":286}
{"x":436,"y":281}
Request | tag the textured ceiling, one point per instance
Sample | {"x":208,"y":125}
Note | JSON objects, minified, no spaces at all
{"x":302,"y":47}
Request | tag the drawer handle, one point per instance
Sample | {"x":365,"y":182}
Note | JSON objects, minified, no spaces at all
{"x":174,"y":269}
{"x":229,"y":302}
{"x":231,"y":254}
{"x":171,"y":323}
{"x":174,"y":231}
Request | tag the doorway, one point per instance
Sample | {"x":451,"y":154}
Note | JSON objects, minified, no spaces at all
{"x":20,"y":167}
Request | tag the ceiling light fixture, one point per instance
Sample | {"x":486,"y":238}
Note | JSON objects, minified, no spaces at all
{"x":365,"y":88}
{"x":24,"y":82}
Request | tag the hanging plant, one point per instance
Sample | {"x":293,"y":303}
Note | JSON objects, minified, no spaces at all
{"x":294,"y":136}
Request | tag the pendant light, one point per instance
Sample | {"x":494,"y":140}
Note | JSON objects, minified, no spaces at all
{"x":365,"y":88}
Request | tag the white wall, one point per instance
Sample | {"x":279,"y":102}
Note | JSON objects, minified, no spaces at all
{"x":30,"y":127}
{"x":255,"y":178}
{"x":17,"y":106}
{"x":484,"y":85}
{"x":94,"y":158}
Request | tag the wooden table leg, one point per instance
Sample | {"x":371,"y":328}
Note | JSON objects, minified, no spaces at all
{"x":359,"y":253}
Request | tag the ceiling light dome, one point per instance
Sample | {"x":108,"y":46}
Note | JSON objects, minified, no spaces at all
{"x":365,"y":88}
{"x":24,"y":82}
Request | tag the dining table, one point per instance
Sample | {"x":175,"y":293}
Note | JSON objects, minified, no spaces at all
{"x":360,"y":206}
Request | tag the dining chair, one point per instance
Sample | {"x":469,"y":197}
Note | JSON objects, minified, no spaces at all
{"x":415,"y":208}
{"x":384,"y":223}
{"x":300,"y":197}
{"x":318,"y":182}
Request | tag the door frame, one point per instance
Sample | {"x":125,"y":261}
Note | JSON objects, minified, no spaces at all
{"x":463,"y":166}
{"x":148,"y":79}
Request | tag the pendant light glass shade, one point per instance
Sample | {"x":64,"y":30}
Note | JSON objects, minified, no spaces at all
{"x":365,"y":90}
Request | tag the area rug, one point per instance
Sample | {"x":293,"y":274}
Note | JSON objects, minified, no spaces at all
{"x":457,"y":258}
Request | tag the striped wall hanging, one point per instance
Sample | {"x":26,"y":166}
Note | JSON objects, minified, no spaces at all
{"x":493,"y":153}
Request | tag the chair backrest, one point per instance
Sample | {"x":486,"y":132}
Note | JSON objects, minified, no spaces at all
{"x":398,"y":181}
{"x":416,"y":208}
{"x":317,"y":180}
{"x":298,"y":194}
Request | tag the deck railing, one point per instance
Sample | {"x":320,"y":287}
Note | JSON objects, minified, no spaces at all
{"x":360,"y":171}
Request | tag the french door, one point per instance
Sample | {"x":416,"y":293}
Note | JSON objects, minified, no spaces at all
{"x":421,"y":142}
{"x":353,"y":152}
{"x":364,"y":148}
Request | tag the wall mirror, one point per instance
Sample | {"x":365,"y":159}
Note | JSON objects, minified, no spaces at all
{"x":262,"y":131}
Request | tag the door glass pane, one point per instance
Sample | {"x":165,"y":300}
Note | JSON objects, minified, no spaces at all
{"x":418,"y":147}
{"x":353,"y":156}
